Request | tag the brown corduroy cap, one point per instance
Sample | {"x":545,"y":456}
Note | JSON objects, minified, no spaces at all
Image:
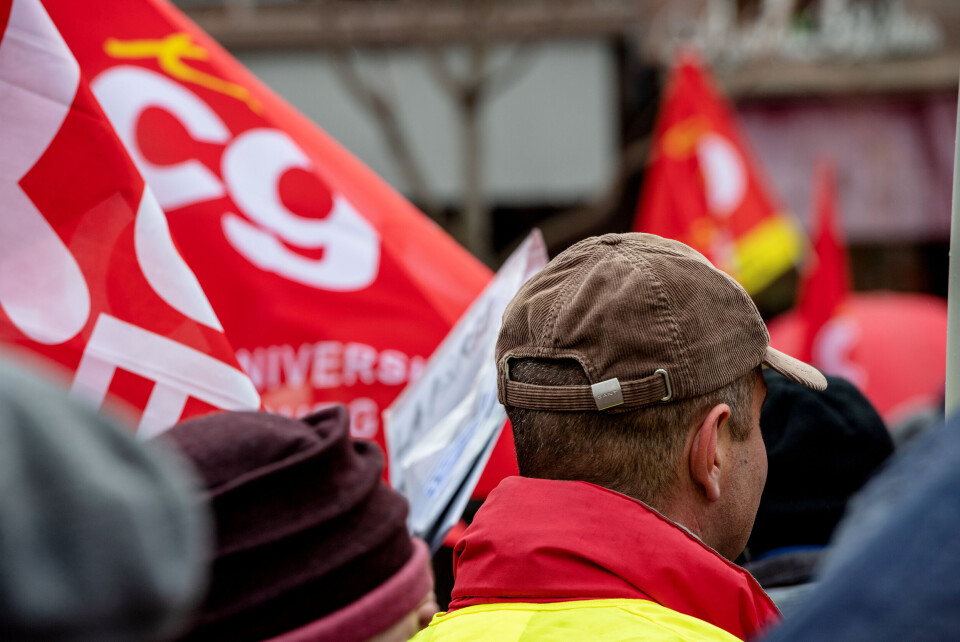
{"x":650,"y":320}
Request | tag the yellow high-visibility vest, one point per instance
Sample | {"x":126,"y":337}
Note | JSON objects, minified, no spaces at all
{"x":600,"y":620}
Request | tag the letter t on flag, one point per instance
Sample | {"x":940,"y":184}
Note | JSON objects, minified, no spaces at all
{"x":703,"y":188}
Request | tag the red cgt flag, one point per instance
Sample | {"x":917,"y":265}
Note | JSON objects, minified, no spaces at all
{"x":328,"y":283}
{"x":825,"y":282}
{"x":89,"y":275}
{"x":703,"y":188}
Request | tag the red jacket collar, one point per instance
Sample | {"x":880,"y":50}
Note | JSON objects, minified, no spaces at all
{"x":549,"y":541}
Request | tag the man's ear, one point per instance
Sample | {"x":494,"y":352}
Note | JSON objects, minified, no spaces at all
{"x":704,"y":464}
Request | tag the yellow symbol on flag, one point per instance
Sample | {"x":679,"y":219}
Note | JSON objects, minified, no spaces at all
{"x":680,"y":141}
{"x":170,"y":52}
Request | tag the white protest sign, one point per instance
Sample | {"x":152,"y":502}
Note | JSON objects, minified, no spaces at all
{"x":441,"y":429}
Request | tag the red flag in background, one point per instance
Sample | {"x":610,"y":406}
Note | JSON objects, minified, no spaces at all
{"x":703,"y":188}
{"x":330,"y":285}
{"x":89,"y":276}
{"x":873,"y":339}
{"x":825,"y":280}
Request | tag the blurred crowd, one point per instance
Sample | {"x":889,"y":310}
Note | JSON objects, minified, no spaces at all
{"x":638,"y":513}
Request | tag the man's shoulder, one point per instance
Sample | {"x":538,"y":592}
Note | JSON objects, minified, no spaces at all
{"x":602,"y":620}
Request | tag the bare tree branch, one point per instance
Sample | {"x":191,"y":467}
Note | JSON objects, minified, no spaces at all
{"x":468,"y":91}
{"x":351,"y":79}
{"x":477,"y":223}
{"x":508,"y":73}
{"x":442,"y":72}
{"x":384,"y":113}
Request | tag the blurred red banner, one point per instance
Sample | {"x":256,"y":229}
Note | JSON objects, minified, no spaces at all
{"x":89,"y":275}
{"x":891,"y":345}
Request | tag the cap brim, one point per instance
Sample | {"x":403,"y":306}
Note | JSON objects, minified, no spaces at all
{"x":794,"y":369}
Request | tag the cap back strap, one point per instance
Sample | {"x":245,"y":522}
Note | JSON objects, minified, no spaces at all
{"x":600,"y":396}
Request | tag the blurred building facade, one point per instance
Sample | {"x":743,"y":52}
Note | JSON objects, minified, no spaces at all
{"x":494,"y":116}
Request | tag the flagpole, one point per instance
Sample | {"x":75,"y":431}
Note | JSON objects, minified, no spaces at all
{"x":952,"y":392}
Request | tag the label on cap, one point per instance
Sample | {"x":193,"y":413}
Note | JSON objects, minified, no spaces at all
{"x":607,"y":394}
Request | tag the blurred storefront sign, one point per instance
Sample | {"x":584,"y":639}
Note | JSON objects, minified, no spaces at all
{"x":894,"y":160}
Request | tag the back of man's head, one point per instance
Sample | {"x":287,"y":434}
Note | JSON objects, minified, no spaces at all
{"x":635,"y":453}
{"x":612,"y":355}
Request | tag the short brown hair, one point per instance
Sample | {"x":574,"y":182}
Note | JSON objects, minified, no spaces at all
{"x":634,"y":453}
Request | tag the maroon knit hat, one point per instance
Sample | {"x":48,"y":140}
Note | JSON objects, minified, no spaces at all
{"x":305,"y":525}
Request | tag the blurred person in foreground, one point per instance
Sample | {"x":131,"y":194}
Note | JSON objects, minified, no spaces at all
{"x":822,"y":447}
{"x":630,"y":368}
{"x":101,"y":536}
{"x":892,"y":571}
{"x":311,"y":544}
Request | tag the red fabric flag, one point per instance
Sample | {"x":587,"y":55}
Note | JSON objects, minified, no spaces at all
{"x":89,"y":276}
{"x":703,"y":188}
{"x":329,"y":284}
{"x":825,"y":281}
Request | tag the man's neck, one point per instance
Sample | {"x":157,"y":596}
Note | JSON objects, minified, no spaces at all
{"x":685,"y":516}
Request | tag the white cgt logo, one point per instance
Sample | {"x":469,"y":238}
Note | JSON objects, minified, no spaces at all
{"x":252,"y":166}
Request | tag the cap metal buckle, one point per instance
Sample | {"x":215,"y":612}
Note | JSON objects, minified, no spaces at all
{"x":666,"y":381}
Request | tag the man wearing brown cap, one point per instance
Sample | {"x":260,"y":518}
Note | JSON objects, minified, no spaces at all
{"x":630,"y":369}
